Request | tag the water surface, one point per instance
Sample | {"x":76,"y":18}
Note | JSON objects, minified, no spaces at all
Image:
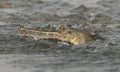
{"x":19,"y":54}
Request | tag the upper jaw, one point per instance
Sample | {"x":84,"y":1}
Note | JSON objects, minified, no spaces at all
{"x":40,"y":34}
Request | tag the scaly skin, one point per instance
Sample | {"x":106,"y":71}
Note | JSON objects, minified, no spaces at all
{"x":66,"y":34}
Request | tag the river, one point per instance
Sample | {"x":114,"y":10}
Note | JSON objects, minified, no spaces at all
{"x":20,"y":54}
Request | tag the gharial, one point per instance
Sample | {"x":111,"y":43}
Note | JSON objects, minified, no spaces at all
{"x":65,"y":34}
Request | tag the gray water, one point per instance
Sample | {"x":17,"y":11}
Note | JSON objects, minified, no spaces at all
{"x":20,"y":54}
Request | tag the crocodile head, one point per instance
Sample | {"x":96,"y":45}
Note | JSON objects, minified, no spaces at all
{"x":75,"y":36}
{"x":65,"y":34}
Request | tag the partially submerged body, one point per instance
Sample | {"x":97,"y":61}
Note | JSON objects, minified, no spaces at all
{"x":66,"y":34}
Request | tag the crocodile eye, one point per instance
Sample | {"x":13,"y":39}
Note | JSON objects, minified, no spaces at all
{"x":69,"y":32}
{"x":62,"y":27}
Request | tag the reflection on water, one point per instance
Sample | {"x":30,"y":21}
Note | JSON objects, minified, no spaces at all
{"x":19,"y":54}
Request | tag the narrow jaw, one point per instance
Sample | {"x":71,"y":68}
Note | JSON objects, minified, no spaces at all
{"x":66,"y":34}
{"x":40,"y":34}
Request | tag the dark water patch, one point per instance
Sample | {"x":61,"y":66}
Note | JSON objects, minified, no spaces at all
{"x":64,"y":4}
{"x":82,"y":9}
{"x":103,"y":19}
{"x":37,"y":1}
{"x":76,"y":19}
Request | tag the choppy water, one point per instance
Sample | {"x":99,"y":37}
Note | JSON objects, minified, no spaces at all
{"x":20,"y":54}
